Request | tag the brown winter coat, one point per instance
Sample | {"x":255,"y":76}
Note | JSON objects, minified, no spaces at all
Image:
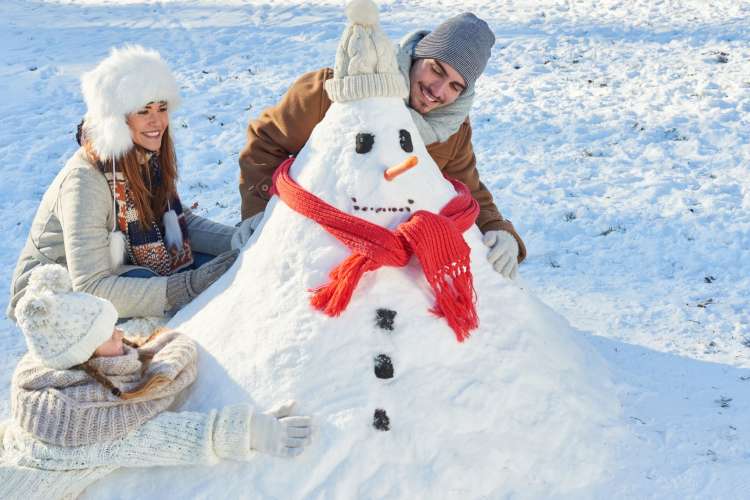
{"x":283,"y":130}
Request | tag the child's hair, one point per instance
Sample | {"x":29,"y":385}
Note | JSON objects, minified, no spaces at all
{"x":132,"y":343}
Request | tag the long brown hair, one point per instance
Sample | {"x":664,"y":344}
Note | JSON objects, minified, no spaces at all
{"x":150,"y":205}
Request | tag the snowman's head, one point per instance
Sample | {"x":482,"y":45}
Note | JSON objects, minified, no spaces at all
{"x":367,"y":158}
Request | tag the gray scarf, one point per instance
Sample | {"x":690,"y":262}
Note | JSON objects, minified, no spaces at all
{"x":440,"y":124}
{"x":68,"y":408}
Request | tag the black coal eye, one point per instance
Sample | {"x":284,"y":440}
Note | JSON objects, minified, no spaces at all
{"x":404,"y":138}
{"x":364,"y":143}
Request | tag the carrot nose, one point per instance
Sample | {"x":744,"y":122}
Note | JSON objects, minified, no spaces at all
{"x":395,"y":171}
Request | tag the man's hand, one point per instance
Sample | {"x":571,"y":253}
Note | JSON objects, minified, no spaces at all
{"x":503,"y":254}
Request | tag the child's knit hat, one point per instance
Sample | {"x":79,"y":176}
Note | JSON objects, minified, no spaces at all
{"x":63,"y":328}
{"x":365,"y":59}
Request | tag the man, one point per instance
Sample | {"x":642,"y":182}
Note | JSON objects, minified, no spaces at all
{"x":441,"y":68}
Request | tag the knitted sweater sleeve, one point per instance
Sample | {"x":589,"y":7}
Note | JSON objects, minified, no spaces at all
{"x":84,"y":208}
{"x":184,"y":438}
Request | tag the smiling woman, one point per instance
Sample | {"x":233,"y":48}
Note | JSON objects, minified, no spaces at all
{"x":112,"y":216}
{"x":147,"y":125}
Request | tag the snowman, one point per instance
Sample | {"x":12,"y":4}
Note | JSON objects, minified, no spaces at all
{"x":365,"y":295}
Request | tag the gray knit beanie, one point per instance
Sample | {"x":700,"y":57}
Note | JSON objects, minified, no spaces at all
{"x":463,"y":41}
{"x":365,"y":59}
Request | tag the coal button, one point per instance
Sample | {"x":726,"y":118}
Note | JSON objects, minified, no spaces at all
{"x":384,"y":318}
{"x":381,"y":421}
{"x":383,"y":366}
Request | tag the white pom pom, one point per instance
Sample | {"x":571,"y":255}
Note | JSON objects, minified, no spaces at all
{"x":116,"y":249}
{"x":37,"y":307}
{"x":32,"y":312}
{"x":362,"y":12}
{"x":51,"y":277}
{"x":172,"y":231}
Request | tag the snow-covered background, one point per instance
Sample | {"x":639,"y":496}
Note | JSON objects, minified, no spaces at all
{"x":613,"y":133}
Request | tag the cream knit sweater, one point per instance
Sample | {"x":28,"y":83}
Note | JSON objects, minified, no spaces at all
{"x":33,"y":469}
{"x":69,"y":408}
{"x":68,"y":431}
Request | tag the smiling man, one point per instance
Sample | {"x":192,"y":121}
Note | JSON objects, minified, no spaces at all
{"x":433,"y":84}
{"x":441,"y":68}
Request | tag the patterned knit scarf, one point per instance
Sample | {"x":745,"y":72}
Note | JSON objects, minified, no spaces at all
{"x":146,"y":246}
{"x":436,"y":240}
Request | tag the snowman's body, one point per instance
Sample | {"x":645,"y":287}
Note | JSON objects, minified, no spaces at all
{"x":519,"y":408}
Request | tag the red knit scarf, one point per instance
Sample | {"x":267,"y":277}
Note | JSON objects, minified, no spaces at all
{"x":436,"y":239}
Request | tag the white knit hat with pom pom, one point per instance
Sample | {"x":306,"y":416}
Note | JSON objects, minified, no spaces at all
{"x":63,"y":328}
{"x":365,"y":59}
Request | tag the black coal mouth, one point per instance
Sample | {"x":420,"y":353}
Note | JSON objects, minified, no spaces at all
{"x":361,"y":207}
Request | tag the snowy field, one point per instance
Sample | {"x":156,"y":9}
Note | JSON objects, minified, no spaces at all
{"x":613,"y":133}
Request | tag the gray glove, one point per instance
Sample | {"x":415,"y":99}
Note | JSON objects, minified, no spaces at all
{"x":246,"y":229}
{"x":184,"y":287}
{"x":503,"y":254}
{"x":278,"y":433}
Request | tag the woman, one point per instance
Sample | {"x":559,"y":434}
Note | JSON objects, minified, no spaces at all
{"x":115,"y":201}
{"x":85,"y":401}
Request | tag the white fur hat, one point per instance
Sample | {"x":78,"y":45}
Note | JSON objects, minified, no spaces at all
{"x":62,"y":328}
{"x":124,"y":82}
{"x":365,"y":59}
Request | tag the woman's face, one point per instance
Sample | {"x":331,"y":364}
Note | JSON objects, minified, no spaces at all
{"x":147,"y":125}
{"x":112,"y":347}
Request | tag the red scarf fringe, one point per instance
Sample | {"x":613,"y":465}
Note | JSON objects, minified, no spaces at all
{"x":436,"y":239}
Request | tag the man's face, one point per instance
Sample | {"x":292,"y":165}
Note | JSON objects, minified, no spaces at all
{"x":433,"y":84}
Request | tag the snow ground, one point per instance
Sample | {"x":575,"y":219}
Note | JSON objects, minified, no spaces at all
{"x":614,"y":134}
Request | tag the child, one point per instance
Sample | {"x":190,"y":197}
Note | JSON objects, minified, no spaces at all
{"x":86,"y":401}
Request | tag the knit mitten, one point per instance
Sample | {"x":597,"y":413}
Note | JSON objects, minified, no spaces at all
{"x":245,"y":230}
{"x":278,"y":433}
{"x":503,"y":254}
{"x":231,"y":435}
{"x":184,"y":287}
